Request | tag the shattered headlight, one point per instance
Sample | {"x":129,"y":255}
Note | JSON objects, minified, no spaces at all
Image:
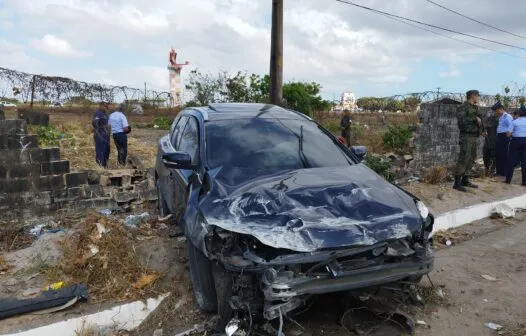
{"x":423,"y":209}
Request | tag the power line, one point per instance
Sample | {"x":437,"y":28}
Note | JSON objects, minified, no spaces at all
{"x":475,"y":20}
{"x":450,"y":37}
{"x":428,"y":25}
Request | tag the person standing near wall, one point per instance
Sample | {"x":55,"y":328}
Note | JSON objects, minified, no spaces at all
{"x":470,"y":126}
{"x":518,"y":146}
{"x":504,"y":127}
{"x":490,"y":145}
{"x":345,"y":126}
{"x":119,"y":130}
{"x":101,"y":135}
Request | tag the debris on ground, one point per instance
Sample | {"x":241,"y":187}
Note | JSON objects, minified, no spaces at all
{"x":105,"y":212}
{"x":503,"y":210}
{"x":366,"y":321}
{"x":50,"y":300}
{"x":493,"y":326}
{"x":103,"y":255}
{"x":450,"y":237}
{"x":136,"y":220}
{"x":488,"y":277}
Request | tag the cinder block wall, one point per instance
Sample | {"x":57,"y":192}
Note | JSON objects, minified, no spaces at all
{"x":34,"y":178}
{"x":437,"y":136}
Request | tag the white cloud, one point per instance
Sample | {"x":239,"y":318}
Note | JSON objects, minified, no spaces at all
{"x":57,"y":46}
{"x":453,"y":72}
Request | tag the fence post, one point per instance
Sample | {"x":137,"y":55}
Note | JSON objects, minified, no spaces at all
{"x":32,"y":91}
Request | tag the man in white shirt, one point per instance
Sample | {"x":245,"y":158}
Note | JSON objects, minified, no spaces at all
{"x":119,"y":130}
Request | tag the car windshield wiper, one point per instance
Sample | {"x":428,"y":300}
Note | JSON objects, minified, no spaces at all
{"x":303,"y":158}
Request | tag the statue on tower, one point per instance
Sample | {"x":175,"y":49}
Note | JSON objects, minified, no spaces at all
{"x":174,"y":70}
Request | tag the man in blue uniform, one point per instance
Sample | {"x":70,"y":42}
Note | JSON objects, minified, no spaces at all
{"x":504,"y":127}
{"x":101,"y":135}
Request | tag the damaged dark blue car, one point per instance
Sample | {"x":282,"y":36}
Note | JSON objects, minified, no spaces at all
{"x":275,"y":210}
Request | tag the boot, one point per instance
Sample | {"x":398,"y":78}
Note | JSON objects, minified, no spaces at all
{"x":458,"y":184}
{"x":466,"y":183}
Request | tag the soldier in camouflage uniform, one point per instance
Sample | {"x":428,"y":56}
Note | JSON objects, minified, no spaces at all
{"x":471,"y":127}
{"x":490,"y":145}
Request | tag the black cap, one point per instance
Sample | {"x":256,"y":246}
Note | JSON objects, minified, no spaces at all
{"x":498,"y":105}
{"x":471,"y":93}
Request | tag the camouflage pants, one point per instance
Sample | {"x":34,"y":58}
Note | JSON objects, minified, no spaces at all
{"x":490,"y":156}
{"x":467,"y":154}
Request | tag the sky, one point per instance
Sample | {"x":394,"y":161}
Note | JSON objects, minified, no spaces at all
{"x":343,"y":48}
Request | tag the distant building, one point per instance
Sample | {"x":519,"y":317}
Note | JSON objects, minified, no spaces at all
{"x":347,"y":102}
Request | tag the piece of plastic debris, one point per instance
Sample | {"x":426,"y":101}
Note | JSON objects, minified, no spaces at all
{"x":232,"y":327}
{"x":101,"y":229}
{"x":165,"y":218}
{"x":485,"y":300}
{"x":145,"y":280}
{"x":93,"y":249}
{"x":158,"y":332}
{"x":448,"y":242}
{"x":503,"y":210}
{"x":155,"y":126}
{"x":105,"y":212}
{"x":136,"y":220}
{"x":37,"y":230}
{"x":420,"y":322}
{"x":31,"y":292}
{"x":440,"y":293}
{"x":488,"y":277}
{"x":493,"y":326}
{"x":56,"y":285}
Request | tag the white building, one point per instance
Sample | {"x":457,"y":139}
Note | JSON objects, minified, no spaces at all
{"x":348,"y":101}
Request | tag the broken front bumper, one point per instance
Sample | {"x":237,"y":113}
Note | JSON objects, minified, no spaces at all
{"x":285,"y":290}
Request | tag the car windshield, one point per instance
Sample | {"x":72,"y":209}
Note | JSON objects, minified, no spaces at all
{"x":271,"y":144}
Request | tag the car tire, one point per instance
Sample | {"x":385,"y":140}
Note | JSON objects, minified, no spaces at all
{"x":202,"y":279}
{"x":161,"y":203}
{"x":223,"y":284}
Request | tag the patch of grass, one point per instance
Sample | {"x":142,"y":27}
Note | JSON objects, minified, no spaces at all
{"x":163,"y":122}
{"x":397,"y":138}
{"x":381,"y":166}
{"x":431,"y":295}
{"x":436,"y":175}
{"x":13,"y":237}
{"x":49,"y":136}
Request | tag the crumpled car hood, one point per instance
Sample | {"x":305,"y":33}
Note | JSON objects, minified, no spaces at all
{"x":310,"y":209}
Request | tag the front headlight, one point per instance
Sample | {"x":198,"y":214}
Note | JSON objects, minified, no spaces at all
{"x":422,"y":208}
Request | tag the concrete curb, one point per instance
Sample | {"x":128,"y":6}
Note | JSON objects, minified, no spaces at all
{"x":124,"y":317}
{"x":456,"y":218}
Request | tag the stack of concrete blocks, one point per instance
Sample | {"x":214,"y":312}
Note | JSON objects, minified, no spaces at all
{"x":437,"y":140}
{"x":35,"y":180}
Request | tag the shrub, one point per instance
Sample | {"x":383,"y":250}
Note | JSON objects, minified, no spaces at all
{"x":397,"y":138}
{"x":381,"y":166}
{"x":435,"y":175}
{"x":163,"y":122}
{"x":48,"y":135}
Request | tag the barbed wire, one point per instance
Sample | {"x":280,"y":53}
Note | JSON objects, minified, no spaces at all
{"x":39,"y":88}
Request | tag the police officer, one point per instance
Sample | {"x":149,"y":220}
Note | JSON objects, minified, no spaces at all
{"x":470,"y":126}
{"x":345,"y":126}
{"x":101,"y":135}
{"x":490,"y":144}
{"x":518,"y":146}
{"x":504,"y":127}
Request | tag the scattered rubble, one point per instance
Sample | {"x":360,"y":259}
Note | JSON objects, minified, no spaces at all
{"x":503,"y":210}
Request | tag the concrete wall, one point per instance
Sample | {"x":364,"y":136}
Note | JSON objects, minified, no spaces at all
{"x":436,"y":143}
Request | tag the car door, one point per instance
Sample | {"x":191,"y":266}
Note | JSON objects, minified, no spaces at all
{"x":189,"y":143}
{"x":171,"y":185}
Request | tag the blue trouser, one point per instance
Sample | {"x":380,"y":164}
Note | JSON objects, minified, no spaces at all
{"x":501,"y":152}
{"x":102,"y":148}
{"x":517,"y":154}
{"x":121,"y":142}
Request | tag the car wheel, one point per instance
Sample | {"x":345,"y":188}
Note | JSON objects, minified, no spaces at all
{"x":161,"y":203}
{"x":202,"y":279}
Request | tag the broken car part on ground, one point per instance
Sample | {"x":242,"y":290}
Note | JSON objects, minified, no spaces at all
{"x":277,"y":210}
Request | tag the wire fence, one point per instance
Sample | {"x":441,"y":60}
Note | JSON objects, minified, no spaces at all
{"x":40,"y":89}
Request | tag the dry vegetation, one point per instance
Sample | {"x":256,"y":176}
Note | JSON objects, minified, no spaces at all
{"x":106,"y":260}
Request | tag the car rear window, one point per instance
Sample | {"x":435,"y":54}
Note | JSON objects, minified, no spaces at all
{"x":275,"y":144}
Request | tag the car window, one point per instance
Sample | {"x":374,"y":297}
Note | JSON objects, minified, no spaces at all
{"x":178,"y":130}
{"x":190,"y":140}
{"x":271,"y":144}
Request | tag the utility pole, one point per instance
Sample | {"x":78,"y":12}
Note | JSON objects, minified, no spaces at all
{"x":32,"y":91}
{"x":438,"y":93}
{"x":276,"y":53}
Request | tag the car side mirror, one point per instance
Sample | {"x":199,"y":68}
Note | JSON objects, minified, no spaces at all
{"x":178,"y":160}
{"x":359,"y":151}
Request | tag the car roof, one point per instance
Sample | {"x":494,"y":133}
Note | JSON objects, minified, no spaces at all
{"x":226,"y":111}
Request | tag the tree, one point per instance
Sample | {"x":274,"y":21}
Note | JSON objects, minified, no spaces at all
{"x":204,"y":87}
